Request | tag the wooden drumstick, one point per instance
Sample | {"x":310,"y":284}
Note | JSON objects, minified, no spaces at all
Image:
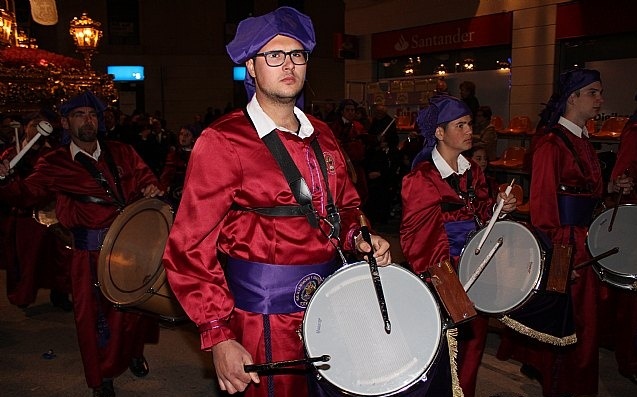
{"x":496,"y":213}
{"x":44,"y":129}
{"x":619,"y":198}
{"x":373,"y":268}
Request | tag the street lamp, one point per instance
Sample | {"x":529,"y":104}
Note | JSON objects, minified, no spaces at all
{"x":86,"y":35}
{"x":7,"y":22}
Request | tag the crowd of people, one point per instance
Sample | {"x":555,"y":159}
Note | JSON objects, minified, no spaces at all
{"x":285,"y":201}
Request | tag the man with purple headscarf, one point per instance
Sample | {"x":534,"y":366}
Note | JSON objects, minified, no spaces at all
{"x":87,"y":203}
{"x":442,"y":197}
{"x":241,"y":248}
{"x":566,"y":188}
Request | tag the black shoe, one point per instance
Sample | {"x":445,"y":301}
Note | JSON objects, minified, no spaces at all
{"x":106,"y":390}
{"x":530,"y":372}
{"x":139,"y":367}
{"x":61,"y":300}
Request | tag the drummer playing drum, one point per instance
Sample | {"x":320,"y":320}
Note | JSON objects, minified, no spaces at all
{"x":92,"y":181}
{"x":444,"y":198}
{"x":566,"y":188}
{"x":276,"y":237}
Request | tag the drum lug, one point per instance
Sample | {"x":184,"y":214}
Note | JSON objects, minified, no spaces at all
{"x":151,"y":290}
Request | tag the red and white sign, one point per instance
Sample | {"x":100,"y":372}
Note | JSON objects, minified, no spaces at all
{"x":488,"y":30}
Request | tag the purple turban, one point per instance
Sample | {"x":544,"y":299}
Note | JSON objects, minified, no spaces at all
{"x":442,"y":109}
{"x":255,"y":32}
{"x":570,"y":82}
{"x":85,"y":99}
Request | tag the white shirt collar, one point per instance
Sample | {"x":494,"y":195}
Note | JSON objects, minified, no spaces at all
{"x":76,"y":149}
{"x":264,"y":124}
{"x":444,"y":168}
{"x":574,"y":128}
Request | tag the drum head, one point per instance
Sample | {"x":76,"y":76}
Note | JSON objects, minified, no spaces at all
{"x":130,"y":260}
{"x":343,"y":320}
{"x":510,"y":276}
{"x":622,"y":235}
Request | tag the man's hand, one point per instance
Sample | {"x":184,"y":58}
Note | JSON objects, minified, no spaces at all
{"x":4,"y":169}
{"x":152,"y":191}
{"x":229,"y":357}
{"x":510,"y":202}
{"x":381,"y":249}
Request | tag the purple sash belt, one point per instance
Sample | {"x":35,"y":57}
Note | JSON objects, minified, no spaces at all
{"x":274,"y":289}
{"x":88,"y":239}
{"x":576,"y":210}
{"x":457,"y":233}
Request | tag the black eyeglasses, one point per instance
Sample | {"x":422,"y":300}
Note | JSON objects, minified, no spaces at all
{"x":277,"y":58}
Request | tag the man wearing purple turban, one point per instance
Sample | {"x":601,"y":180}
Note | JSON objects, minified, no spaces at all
{"x":442,"y":197}
{"x":566,"y":188}
{"x":273,"y":235}
{"x":91,"y":182}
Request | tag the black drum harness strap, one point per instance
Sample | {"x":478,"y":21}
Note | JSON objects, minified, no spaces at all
{"x":299,"y":188}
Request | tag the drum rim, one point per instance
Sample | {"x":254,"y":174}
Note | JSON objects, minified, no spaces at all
{"x":537,"y":282}
{"x":439,"y":334}
{"x":109,"y":290}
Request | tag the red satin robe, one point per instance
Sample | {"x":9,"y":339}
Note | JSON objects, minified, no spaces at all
{"x":229,"y":163}
{"x":574,"y":369}
{"x":425,"y":243}
{"x":58,"y":173}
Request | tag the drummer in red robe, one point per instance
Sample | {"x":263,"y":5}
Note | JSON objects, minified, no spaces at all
{"x":242,"y":246}
{"x":566,"y":188}
{"x":39,"y":258}
{"x":618,"y":306}
{"x":92,"y":181}
{"x":446,"y":197}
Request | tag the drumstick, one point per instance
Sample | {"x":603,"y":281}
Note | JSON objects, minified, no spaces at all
{"x":594,"y":259}
{"x":373,"y":268}
{"x":496,"y":213}
{"x":44,"y":128}
{"x":281,"y":364}
{"x":388,"y":125}
{"x":482,"y":265}
{"x":619,"y":198}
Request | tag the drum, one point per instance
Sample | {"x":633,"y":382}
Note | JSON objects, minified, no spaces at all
{"x":513,"y":274}
{"x":130,"y":271}
{"x":343,"y":320}
{"x":619,"y":269}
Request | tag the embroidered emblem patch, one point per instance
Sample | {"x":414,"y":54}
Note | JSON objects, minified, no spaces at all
{"x":305,"y":289}
{"x":330,"y":163}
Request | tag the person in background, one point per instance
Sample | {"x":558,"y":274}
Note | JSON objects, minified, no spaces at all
{"x":239,"y":220}
{"x":566,"y":188}
{"x":362,"y":117}
{"x":39,"y":258}
{"x":617,"y":319}
{"x":383,"y":124}
{"x":174,"y":172}
{"x":485,"y":132}
{"x":352,"y":136}
{"x":91,"y":182}
{"x":442,"y":197}
{"x":478,"y":153}
{"x":468,"y":96}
